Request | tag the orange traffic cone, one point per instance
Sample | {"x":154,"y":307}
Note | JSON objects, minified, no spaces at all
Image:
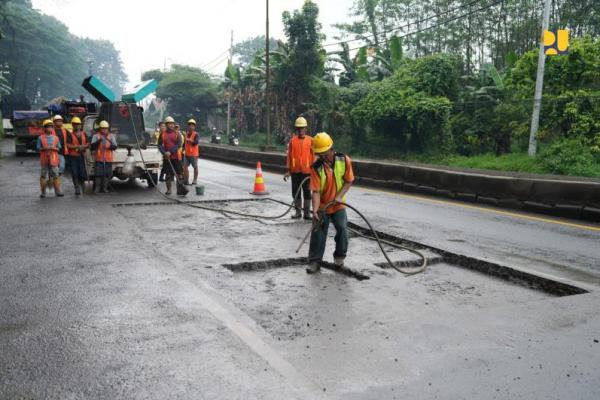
{"x":259,"y":182}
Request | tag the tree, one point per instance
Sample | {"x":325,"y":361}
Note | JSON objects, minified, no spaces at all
{"x":245,"y":51}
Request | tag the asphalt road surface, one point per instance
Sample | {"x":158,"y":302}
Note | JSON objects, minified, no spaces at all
{"x":126,"y":296}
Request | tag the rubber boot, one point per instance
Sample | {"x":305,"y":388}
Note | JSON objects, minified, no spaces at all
{"x":43,"y":187}
{"x":298,"y":208}
{"x":97,"y":185}
{"x":169,"y":185}
{"x":57,"y":190}
{"x":338,"y":262}
{"x":105,"y":188}
{"x":76,"y":186}
{"x":313,"y":267}
{"x":307,"y":213}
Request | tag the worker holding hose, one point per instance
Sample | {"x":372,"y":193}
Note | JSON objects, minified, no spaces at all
{"x":331,"y":177}
{"x":300,"y":157}
{"x":169,"y":144}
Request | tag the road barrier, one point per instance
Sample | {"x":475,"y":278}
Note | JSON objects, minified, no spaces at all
{"x":558,"y":196}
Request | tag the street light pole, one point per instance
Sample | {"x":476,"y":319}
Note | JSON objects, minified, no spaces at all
{"x":230,"y":88}
{"x":268,"y":81}
{"x":539,"y":84}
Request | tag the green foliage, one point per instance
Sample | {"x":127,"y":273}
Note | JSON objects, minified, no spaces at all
{"x":188,"y":91}
{"x":245,"y":51}
{"x":571,"y":156}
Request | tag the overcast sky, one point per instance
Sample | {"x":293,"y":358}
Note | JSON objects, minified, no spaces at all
{"x":195,"y":32}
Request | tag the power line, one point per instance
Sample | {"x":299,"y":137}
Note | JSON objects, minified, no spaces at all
{"x":215,"y":59}
{"x":397,"y":28}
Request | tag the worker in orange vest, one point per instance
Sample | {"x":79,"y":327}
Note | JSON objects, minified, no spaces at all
{"x":169,"y":145}
{"x":49,"y":147}
{"x":104,"y":144}
{"x":192,"y":151}
{"x":61,"y":132}
{"x":77,"y":142}
{"x":300,"y":158}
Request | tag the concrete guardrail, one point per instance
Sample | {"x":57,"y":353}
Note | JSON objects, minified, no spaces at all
{"x":559,"y":197}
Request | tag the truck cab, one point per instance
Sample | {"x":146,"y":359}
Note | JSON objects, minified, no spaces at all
{"x":127,"y":124}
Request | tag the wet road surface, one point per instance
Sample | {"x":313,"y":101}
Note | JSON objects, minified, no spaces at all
{"x":104,"y":301}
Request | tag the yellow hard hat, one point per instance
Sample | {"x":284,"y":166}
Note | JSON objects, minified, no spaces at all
{"x":169,"y":119}
{"x":301,"y":122}
{"x":57,"y":117}
{"x":103,"y":124}
{"x":191,"y":121}
{"x":75,"y":120}
{"x":46,"y":122}
{"x":321,"y":143}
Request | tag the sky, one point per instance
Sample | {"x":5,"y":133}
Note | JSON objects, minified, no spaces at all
{"x":151,"y":34}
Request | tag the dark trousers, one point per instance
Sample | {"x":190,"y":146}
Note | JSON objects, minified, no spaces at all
{"x":103,"y":169}
{"x":297,"y":179}
{"x":77,"y":167}
{"x":318,"y":238}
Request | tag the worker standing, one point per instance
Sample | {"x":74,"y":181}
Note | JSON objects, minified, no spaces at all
{"x":49,"y":147}
{"x":192,"y":151}
{"x":300,"y":158}
{"x":169,"y":144}
{"x":104,"y":144}
{"x":61,"y":132}
{"x":330,"y":179}
{"x":77,"y":142}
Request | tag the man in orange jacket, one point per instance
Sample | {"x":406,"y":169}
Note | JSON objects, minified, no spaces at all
{"x":50,"y":147}
{"x":192,"y":152}
{"x":300,"y":158}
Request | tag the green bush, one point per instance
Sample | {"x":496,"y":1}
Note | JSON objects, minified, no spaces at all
{"x":570,"y":156}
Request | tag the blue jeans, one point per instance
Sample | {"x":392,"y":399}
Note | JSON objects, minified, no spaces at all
{"x":318,"y":238}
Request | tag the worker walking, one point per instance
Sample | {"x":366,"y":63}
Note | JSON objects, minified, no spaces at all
{"x":169,"y":144}
{"x":61,"y":132}
{"x":331,"y":177}
{"x":77,"y":142}
{"x":192,"y":151}
{"x":300,"y":158}
{"x":104,"y":144}
{"x":49,"y":147}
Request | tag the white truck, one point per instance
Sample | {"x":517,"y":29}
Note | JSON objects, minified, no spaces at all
{"x":127,"y":124}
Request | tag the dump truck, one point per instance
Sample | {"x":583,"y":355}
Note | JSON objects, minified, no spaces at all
{"x":27,"y":127}
{"x":126,"y":120}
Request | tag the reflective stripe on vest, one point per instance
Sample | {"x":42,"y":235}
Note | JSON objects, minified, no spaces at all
{"x":300,"y":153}
{"x":191,"y":150}
{"x":339,"y":170}
{"x":104,"y":153}
{"x":75,"y":142}
{"x":49,"y":155}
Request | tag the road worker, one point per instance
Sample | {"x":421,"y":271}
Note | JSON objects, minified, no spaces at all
{"x":61,"y":132}
{"x":300,"y":158}
{"x":169,"y":144}
{"x":192,"y":152}
{"x":77,"y":142}
{"x":104,"y":145}
{"x":49,"y":147}
{"x":331,"y":177}
{"x":157,"y":134}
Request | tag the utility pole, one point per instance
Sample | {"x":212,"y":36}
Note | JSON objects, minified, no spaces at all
{"x":268,"y":82}
{"x":539,"y":84}
{"x":230,"y":87}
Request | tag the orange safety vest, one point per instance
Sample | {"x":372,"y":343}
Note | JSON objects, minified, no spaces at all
{"x":49,"y":155}
{"x":75,"y":140}
{"x":64,"y":135}
{"x":104,"y":153}
{"x":191,"y":150}
{"x":300,"y":155}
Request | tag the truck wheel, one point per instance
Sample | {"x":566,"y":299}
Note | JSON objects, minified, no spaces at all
{"x":151,"y":179}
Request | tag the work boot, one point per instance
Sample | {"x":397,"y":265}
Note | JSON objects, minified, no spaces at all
{"x":57,"y":190}
{"x":97,"y":185}
{"x":105,"y":183}
{"x":43,"y":187}
{"x":76,"y":185}
{"x":307,"y":213}
{"x":298,"y":207}
{"x":169,"y":184}
{"x":338,"y":262}
{"x":313,"y":267}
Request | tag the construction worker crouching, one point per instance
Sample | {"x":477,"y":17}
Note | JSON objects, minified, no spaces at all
{"x":49,"y":147}
{"x":300,"y":158}
{"x":192,"y":152}
{"x":77,"y":142}
{"x":169,"y":144}
{"x":104,"y":144}
{"x":331,"y":177}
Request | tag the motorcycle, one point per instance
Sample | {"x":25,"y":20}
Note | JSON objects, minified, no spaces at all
{"x":234,"y":141}
{"x":215,"y":138}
